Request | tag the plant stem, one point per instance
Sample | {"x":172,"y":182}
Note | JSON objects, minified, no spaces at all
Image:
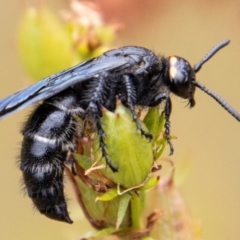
{"x":135,"y":214}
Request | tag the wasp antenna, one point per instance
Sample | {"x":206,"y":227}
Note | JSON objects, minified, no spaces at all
{"x":211,"y":53}
{"x":220,"y":100}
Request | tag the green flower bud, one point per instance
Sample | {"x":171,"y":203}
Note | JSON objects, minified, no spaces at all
{"x":114,"y":202}
{"x":128,"y":150}
{"x":44,"y":44}
{"x":106,"y":33}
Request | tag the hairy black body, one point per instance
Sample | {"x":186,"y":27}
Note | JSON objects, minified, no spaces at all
{"x":135,"y":75}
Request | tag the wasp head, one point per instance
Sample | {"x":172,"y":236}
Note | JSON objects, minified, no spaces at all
{"x":182,"y":76}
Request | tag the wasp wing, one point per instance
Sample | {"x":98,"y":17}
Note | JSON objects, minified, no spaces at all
{"x":56,"y":83}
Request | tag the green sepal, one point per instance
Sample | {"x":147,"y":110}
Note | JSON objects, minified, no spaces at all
{"x":154,"y":122}
{"x":122,"y":209}
{"x":109,"y":195}
{"x":159,"y":147}
{"x":150,"y":183}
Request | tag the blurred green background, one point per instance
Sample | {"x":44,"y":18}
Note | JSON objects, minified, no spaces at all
{"x":207,"y":135}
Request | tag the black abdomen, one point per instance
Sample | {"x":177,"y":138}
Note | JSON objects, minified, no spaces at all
{"x":48,"y":136}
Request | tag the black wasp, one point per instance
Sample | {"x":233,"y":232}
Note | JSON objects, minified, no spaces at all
{"x":135,"y":74}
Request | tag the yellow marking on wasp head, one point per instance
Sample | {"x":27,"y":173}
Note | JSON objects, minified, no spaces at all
{"x":172,"y":69}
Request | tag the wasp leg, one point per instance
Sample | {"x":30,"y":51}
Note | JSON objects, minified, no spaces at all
{"x":130,"y":98}
{"x":167,"y":111}
{"x":101,"y":136}
{"x":94,"y":111}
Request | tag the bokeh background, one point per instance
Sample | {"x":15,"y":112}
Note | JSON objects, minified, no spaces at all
{"x":207,"y":136}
